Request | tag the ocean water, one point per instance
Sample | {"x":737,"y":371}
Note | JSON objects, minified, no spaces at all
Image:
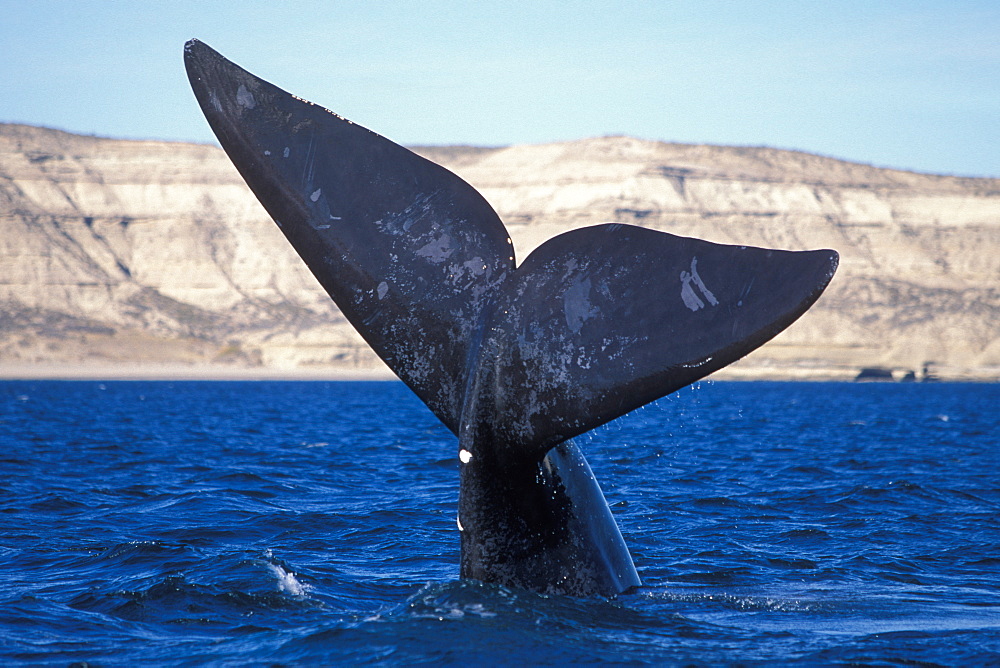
{"x":314,"y":523}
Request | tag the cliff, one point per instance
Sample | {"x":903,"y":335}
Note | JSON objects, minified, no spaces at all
{"x":153,"y":258}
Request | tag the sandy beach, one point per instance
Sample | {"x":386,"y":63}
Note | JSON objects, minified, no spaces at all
{"x":181,"y":372}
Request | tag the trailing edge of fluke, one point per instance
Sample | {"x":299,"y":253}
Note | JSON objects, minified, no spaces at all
{"x":514,"y":360}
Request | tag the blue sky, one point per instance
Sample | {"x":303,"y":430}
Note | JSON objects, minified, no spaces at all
{"x":907,"y":84}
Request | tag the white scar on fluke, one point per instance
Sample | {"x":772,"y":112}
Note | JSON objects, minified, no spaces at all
{"x":688,"y":295}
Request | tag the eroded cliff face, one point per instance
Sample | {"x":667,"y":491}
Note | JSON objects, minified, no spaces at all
{"x":131,"y":257}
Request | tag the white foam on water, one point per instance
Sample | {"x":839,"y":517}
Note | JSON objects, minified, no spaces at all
{"x":287,"y":582}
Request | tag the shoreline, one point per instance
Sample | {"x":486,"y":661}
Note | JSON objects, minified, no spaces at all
{"x":167,"y":372}
{"x":182,"y":372}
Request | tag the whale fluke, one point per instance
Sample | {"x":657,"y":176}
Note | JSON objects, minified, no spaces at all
{"x":514,"y":360}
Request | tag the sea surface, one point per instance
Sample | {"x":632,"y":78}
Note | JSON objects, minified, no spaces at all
{"x":249,"y":523}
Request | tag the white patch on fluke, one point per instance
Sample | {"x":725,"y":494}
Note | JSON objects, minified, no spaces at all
{"x":245,"y":98}
{"x":316,"y":193}
{"x":690,"y":297}
{"x":464,"y":456}
{"x":383,"y":290}
{"x":576,"y":305}
{"x":475,"y":266}
{"x":438,"y":250}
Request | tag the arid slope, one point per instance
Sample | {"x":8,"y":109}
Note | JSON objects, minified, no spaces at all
{"x":153,"y":258}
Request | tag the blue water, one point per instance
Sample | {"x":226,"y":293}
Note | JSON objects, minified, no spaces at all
{"x":304,"y":523}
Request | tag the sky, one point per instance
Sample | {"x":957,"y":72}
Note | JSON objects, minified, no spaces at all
{"x":905,"y":84}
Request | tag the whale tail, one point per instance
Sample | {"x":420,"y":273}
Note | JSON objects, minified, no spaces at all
{"x":595,"y":323}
